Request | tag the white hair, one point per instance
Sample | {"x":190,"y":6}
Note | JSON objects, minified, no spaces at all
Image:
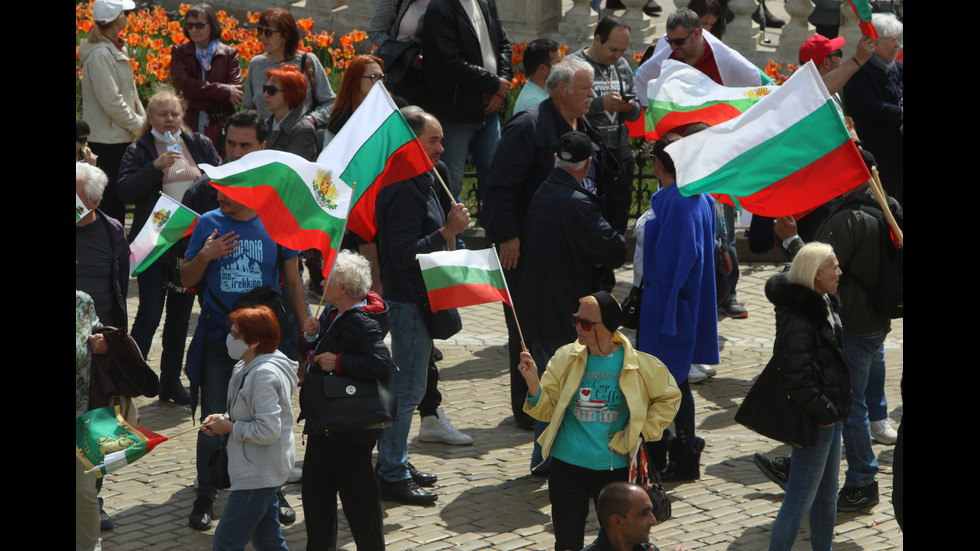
{"x":886,"y":24}
{"x":95,"y":180}
{"x":563,"y":71}
{"x":353,"y":271}
{"x":808,"y":261}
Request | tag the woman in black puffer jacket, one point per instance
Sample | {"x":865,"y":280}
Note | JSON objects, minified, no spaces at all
{"x":814,"y":375}
{"x":348,"y":340}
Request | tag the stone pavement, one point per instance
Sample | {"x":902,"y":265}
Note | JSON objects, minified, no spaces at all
{"x":487,"y":499}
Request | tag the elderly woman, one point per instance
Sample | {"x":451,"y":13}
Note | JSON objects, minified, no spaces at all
{"x":807,"y":351}
{"x":289,"y":129}
{"x":280,"y":39}
{"x":874,"y":99}
{"x":110,"y":103}
{"x":259,"y":422}
{"x":150,"y":167}
{"x":348,"y":340}
{"x":599,"y":396}
{"x":206,"y":73}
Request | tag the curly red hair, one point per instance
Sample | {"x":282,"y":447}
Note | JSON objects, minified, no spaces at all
{"x":291,"y":81}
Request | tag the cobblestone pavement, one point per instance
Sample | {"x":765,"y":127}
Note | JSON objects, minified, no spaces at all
{"x":487,"y":499}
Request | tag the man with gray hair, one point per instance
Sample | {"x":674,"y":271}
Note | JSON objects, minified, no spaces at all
{"x":101,"y":250}
{"x":687,"y":42}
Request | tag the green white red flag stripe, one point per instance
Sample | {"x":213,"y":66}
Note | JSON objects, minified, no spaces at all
{"x":302,"y":205}
{"x":465,"y":277}
{"x":168,"y":223}
{"x":862,"y":9}
{"x":375,"y":148}
{"x":104,"y":441}
{"x":683,"y":95}
{"x":788,"y":154}
{"x":80,"y":209}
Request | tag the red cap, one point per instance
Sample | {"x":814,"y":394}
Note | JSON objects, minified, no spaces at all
{"x":818,"y":46}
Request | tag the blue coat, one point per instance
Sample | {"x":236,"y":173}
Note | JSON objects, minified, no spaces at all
{"x":678,"y":316}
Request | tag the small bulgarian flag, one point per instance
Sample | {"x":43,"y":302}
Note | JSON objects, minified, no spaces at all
{"x":683,"y":95}
{"x":105,"y":442}
{"x":168,"y":224}
{"x":464,"y":277}
{"x":786,"y":155}
{"x":302,"y":205}
{"x":862,"y":9}
{"x":375,"y":148}
{"x":80,"y":209}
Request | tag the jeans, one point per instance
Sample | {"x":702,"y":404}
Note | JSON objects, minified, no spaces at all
{"x":569,"y":489}
{"x":215,"y":376}
{"x":732,"y":278}
{"x":812,"y":487}
{"x":250,"y":515}
{"x":863,"y":356}
{"x":480,"y":140}
{"x":153,"y":295}
{"x":410,"y":349}
{"x":874,"y":394}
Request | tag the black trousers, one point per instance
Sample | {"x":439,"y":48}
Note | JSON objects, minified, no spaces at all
{"x":569,"y":489}
{"x":333,"y":465}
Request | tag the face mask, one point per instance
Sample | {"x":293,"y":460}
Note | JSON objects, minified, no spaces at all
{"x":236,"y":347}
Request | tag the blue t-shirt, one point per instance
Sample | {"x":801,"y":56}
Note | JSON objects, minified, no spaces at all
{"x":598,"y":412}
{"x":254,"y":264}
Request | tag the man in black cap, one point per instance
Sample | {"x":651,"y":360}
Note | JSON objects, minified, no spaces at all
{"x":566,"y":243}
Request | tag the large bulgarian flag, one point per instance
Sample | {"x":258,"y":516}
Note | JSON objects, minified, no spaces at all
{"x":375,"y":148}
{"x":169,"y":223}
{"x":302,"y":205}
{"x":683,"y":95}
{"x":464,"y":277}
{"x":105,"y":442}
{"x":786,"y":155}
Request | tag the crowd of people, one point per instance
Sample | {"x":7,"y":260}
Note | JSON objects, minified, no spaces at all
{"x":555,"y":184}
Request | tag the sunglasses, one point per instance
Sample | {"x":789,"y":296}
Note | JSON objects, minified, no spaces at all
{"x":271,"y":90}
{"x":586,"y":324}
{"x":267,"y":31}
{"x":197,"y":26}
{"x":678,"y":41}
{"x":81,"y":139}
{"x":375,"y":78}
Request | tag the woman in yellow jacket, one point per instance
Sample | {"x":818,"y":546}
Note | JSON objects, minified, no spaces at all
{"x":599,"y":395}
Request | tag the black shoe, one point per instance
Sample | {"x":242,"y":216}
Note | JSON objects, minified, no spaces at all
{"x":436,"y":354}
{"x":733,"y":310}
{"x":424,"y":480}
{"x":407,"y":492}
{"x":851,"y":498}
{"x":524,"y":421}
{"x":105,"y":521}
{"x":173,"y":391}
{"x":652,"y":8}
{"x":772,"y":21}
{"x":200,"y":518}
{"x":615,"y":5}
{"x":683,"y":465}
{"x":775,"y":469}
{"x":287,"y":515}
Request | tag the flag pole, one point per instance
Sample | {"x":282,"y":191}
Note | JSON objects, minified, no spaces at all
{"x":511,"y":303}
{"x":880,"y":194}
{"x":444,"y":186}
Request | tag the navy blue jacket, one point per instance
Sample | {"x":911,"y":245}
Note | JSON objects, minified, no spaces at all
{"x":871,"y":97}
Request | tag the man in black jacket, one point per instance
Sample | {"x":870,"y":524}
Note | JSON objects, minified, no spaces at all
{"x":467,"y":77}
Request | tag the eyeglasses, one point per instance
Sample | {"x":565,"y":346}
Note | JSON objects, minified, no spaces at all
{"x":81,"y":139}
{"x":270,"y":89}
{"x":267,"y":31}
{"x":375,"y":78}
{"x":586,"y":324}
{"x":678,"y":41}
{"x":198,"y":26}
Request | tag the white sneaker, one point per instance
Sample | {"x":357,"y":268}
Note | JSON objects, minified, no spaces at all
{"x":696,"y":374}
{"x":708,"y":370}
{"x":436,"y":428}
{"x":883,"y":433}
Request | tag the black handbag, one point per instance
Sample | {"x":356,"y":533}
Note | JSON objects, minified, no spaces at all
{"x":769,"y":411}
{"x":442,"y":324}
{"x":645,"y":475}
{"x":331,"y":401}
{"x":631,"y":308}
{"x":220,"y":479}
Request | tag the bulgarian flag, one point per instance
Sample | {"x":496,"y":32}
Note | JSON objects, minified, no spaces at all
{"x":105,"y":442}
{"x":683,"y":95}
{"x":375,"y":148}
{"x":302,"y":205}
{"x":862,"y":9}
{"x":80,"y":209}
{"x":463,"y":278}
{"x":168,"y":224}
{"x":788,"y":154}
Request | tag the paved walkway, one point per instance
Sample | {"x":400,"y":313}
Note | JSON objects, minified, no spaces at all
{"x":487,"y":499}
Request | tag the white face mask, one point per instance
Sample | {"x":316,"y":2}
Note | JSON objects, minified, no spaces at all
{"x":236,"y":347}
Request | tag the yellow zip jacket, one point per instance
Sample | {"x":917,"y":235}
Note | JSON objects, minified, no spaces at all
{"x":651,"y":393}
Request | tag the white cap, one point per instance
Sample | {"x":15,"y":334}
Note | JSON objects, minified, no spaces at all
{"x":107,"y":11}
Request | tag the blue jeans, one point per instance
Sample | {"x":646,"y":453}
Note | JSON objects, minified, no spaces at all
{"x":410,"y":349}
{"x":480,"y":140}
{"x":152,"y":298}
{"x":863,"y":356}
{"x":250,"y":515}
{"x":215,"y":376}
{"x":874,"y":394}
{"x":812,"y":487}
